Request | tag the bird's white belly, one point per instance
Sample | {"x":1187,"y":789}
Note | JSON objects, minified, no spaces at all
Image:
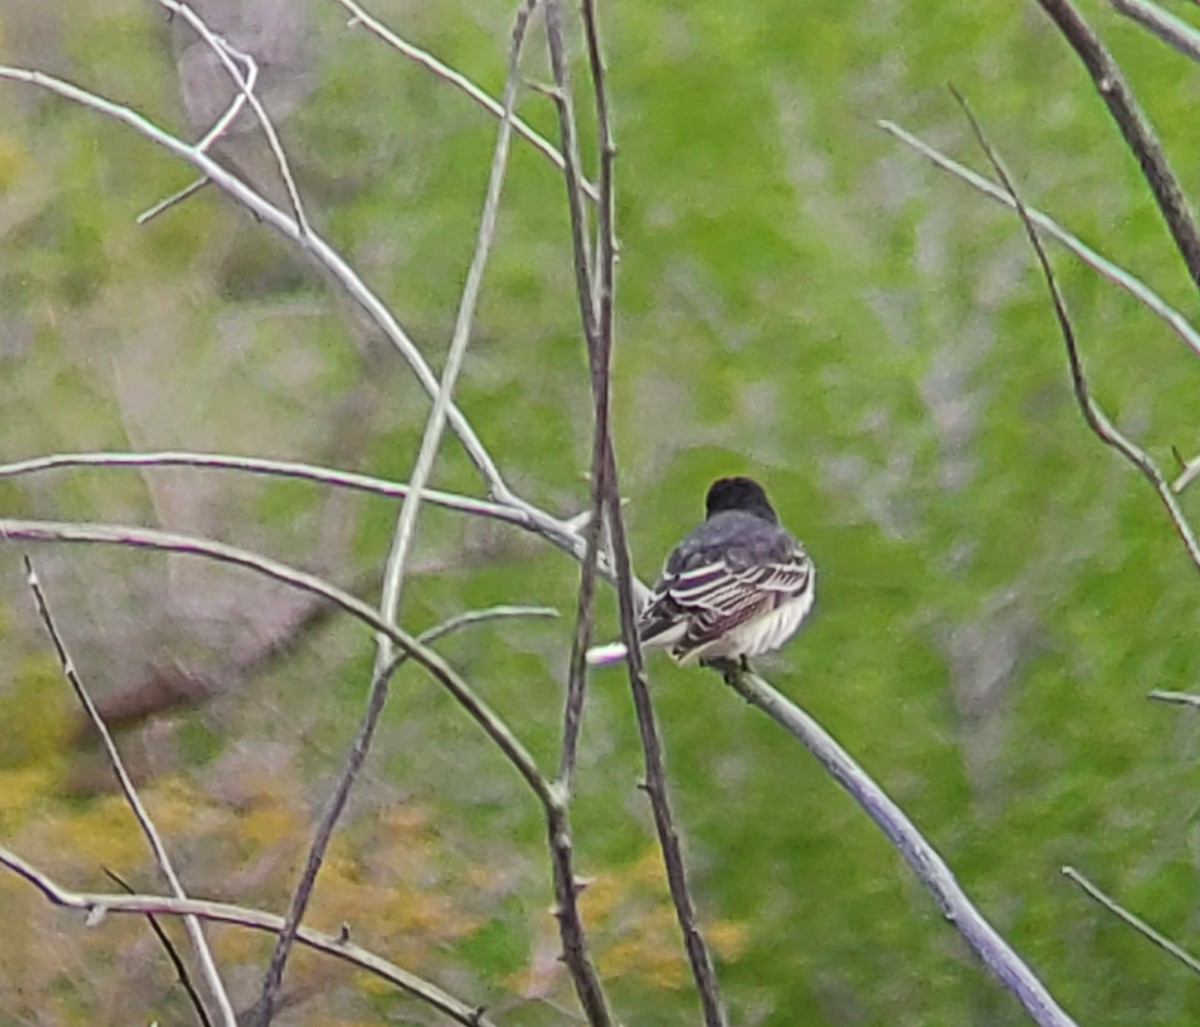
{"x":762,"y":634}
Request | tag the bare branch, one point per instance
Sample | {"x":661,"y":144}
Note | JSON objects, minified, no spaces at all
{"x":277,"y":468}
{"x":1134,"y":126}
{"x":97,"y":905}
{"x":1096,"y":419}
{"x":1137,"y":923}
{"x":181,"y":970}
{"x":1178,"y":698}
{"x":204,"y":954}
{"x":163,"y":205}
{"x":597,"y":327}
{"x":393,"y":577}
{"x":931,"y":870}
{"x":1136,"y":288}
{"x":245,"y":84}
{"x":564,"y":535}
{"x":145,"y":538}
{"x":599,"y":359}
{"x":324,"y":255}
{"x":1171,"y":30}
{"x":459,"y":81}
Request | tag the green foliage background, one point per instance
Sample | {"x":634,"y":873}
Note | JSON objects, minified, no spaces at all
{"x":799,"y":298}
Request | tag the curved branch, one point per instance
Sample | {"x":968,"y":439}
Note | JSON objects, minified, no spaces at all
{"x":310,"y":241}
{"x":1096,"y":419}
{"x":161,"y":541}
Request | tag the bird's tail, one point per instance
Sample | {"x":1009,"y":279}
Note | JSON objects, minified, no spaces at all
{"x":601,"y":655}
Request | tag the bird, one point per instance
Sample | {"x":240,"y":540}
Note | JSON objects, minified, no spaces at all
{"x":739,"y":585}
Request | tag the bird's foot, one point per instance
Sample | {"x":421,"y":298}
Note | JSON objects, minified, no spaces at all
{"x":728,"y":668}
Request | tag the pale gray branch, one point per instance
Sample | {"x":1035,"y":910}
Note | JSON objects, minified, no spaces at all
{"x":1136,"y":922}
{"x":929,"y":867}
{"x":97,"y":905}
{"x":1136,"y":288}
{"x":1178,"y":698}
{"x":1171,"y":30}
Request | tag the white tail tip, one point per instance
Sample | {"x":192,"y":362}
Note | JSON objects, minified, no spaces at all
{"x":600,"y":655}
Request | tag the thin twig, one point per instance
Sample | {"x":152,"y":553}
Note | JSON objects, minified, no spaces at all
{"x":584,"y":618}
{"x":97,"y":905}
{"x":1135,"y":128}
{"x":393,"y":577}
{"x":244,"y":82}
{"x":459,"y":81}
{"x":1171,"y":30}
{"x":584,"y":287}
{"x":931,"y":870}
{"x":1133,"y":285}
{"x":181,"y":970}
{"x":1136,"y":922}
{"x":163,"y":205}
{"x":1178,"y":698}
{"x":572,"y":171}
{"x":377,"y":696}
{"x":493,"y":725}
{"x":599,"y":346}
{"x":1096,"y":419}
{"x":588,"y":985}
{"x":204,"y":954}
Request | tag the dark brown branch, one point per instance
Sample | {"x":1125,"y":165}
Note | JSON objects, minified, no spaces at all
{"x":595,"y":289}
{"x":588,"y":986}
{"x":1134,"y":127}
{"x":165,"y":687}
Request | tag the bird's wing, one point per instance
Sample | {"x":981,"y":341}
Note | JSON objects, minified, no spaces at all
{"x":712,"y":599}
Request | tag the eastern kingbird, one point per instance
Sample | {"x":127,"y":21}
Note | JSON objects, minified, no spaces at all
{"x":738,"y":586}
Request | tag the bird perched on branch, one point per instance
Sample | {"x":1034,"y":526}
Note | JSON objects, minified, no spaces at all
{"x":738,"y":586}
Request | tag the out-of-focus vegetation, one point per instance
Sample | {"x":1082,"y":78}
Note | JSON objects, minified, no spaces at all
{"x":800,"y":299}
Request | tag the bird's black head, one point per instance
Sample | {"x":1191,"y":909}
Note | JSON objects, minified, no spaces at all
{"x":739,"y":494}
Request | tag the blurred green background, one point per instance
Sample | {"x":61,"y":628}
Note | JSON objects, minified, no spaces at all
{"x":799,"y":298}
